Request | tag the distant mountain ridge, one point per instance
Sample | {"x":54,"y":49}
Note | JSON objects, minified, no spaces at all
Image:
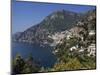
{"x":56,"y":22}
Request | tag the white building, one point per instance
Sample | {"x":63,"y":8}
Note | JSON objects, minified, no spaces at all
{"x":73,"y":48}
{"x":92,"y":50}
{"x":92,"y":32}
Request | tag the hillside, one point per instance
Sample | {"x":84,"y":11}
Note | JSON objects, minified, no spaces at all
{"x":56,"y":22}
{"x":77,"y":50}
{"x":58,"y":25}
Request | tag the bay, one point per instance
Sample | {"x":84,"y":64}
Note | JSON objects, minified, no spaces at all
{"x":43,"y":54}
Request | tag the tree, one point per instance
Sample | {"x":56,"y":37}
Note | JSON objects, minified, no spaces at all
{"x":30,"y":65}
{"x":18,"y":64}
{"x":24,"y":66}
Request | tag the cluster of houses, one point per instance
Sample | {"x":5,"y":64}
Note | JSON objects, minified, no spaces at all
{"x":91,"y":49}
{"x":57,"y":37}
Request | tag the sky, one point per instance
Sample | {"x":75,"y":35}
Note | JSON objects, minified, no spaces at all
{"x":27,"y":14}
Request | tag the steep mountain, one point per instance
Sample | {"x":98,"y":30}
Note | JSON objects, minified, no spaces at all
{"x":82,"y":37}
{"x":55,"y":22}
{"x":77,"y":50}
{"x":60,"y":21}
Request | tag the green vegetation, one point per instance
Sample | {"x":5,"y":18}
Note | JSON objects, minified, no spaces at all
{"x":72,"y":64}
{"x":73,"y":60}
{"x":21,"y":66}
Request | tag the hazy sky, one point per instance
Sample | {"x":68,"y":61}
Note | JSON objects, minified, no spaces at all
{"x":27,"y":14}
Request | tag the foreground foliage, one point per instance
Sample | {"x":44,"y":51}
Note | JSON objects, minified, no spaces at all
{"x":21,"y":65}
